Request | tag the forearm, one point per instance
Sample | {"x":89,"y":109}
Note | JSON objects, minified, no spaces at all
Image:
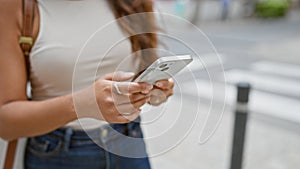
{"x":31,"y":118}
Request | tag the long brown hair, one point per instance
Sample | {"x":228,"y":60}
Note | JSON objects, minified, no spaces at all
{"x":133,"y":25}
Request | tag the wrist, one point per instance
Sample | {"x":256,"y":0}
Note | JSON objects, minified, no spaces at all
{"x":70,"y":107}
{"x":84,"y":104}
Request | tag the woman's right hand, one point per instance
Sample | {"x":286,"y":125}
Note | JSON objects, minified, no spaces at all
{"x":118,"y":101}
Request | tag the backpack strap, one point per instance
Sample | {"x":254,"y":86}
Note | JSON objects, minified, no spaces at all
{"x":26,"y":42}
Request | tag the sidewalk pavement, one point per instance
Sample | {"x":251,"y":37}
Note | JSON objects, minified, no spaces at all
{"x":268,"y":145}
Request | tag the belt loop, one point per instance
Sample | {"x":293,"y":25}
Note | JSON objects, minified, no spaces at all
{"x":104,"y":133}
{"x":126,"y":129}
{"x":68,"y":135}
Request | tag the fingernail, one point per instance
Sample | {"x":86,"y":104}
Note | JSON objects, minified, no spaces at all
{"x":130,"y":73}
{"x":159,"y":84}
{"x":145,"y":91}
{"x":149,"y":87}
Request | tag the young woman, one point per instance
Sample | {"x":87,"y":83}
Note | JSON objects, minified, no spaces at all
{"x":50,"y":119}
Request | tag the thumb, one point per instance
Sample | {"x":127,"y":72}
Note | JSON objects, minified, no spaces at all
{"x":119,"y":76}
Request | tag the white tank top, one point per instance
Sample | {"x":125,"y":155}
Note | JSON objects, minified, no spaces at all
{"x":65,"y":26}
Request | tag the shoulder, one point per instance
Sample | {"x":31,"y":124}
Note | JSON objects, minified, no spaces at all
{"x":11,"y":7}
{"x":7,"y":5}
{"x":11,"y":15}
{"x":10,"y":3}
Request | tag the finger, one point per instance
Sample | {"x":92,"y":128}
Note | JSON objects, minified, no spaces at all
{"x":132,"y":107}
{"x":138,"y":104}
{"x":129,"y":98}
{"x":119,"y":76}
{"x":121,"y":116}
{"x":168,"y":92}
{"x":132,"y":87}
{"x":165,"y":84}
{"x":138,"y":96}
{"x":158,"y":97}
{"x":128,"y":118}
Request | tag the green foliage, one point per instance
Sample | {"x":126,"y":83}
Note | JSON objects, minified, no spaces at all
{"x":271,"y":8}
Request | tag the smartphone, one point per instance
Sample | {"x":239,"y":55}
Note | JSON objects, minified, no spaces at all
{"x":163,"y":68}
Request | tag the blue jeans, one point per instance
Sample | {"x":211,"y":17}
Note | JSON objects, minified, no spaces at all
{"x":69,"y":149}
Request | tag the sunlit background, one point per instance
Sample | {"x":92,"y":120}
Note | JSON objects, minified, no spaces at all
{"x":258,"y":42}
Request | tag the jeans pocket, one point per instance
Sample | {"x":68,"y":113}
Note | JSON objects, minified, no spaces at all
{"x":44,"y":146}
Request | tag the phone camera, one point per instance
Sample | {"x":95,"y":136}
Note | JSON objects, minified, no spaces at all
{"x":165,"y":69}
{"x":163,"y":65}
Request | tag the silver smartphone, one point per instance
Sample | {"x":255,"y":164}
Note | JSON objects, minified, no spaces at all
{"x":163,"y":68}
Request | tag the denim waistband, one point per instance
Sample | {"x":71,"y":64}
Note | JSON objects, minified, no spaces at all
{"x":103,"y":131}
{"x":111,"y":137}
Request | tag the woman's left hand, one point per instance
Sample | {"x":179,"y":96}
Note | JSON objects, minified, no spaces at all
{"x":161,"y":91}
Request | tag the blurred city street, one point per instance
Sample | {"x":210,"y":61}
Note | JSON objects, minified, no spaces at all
{"x":263,"y":52}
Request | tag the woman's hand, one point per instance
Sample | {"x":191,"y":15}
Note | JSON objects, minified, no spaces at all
{"x":161,"y":91}
{"x":117,"y":100}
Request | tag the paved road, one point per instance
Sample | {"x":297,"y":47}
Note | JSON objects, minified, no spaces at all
{"x":262,"y":52}
{"x":266,"y":54}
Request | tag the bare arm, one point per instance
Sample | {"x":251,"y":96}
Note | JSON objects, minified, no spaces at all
{"x":22,"y":118}
{"x":18,"y":116}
